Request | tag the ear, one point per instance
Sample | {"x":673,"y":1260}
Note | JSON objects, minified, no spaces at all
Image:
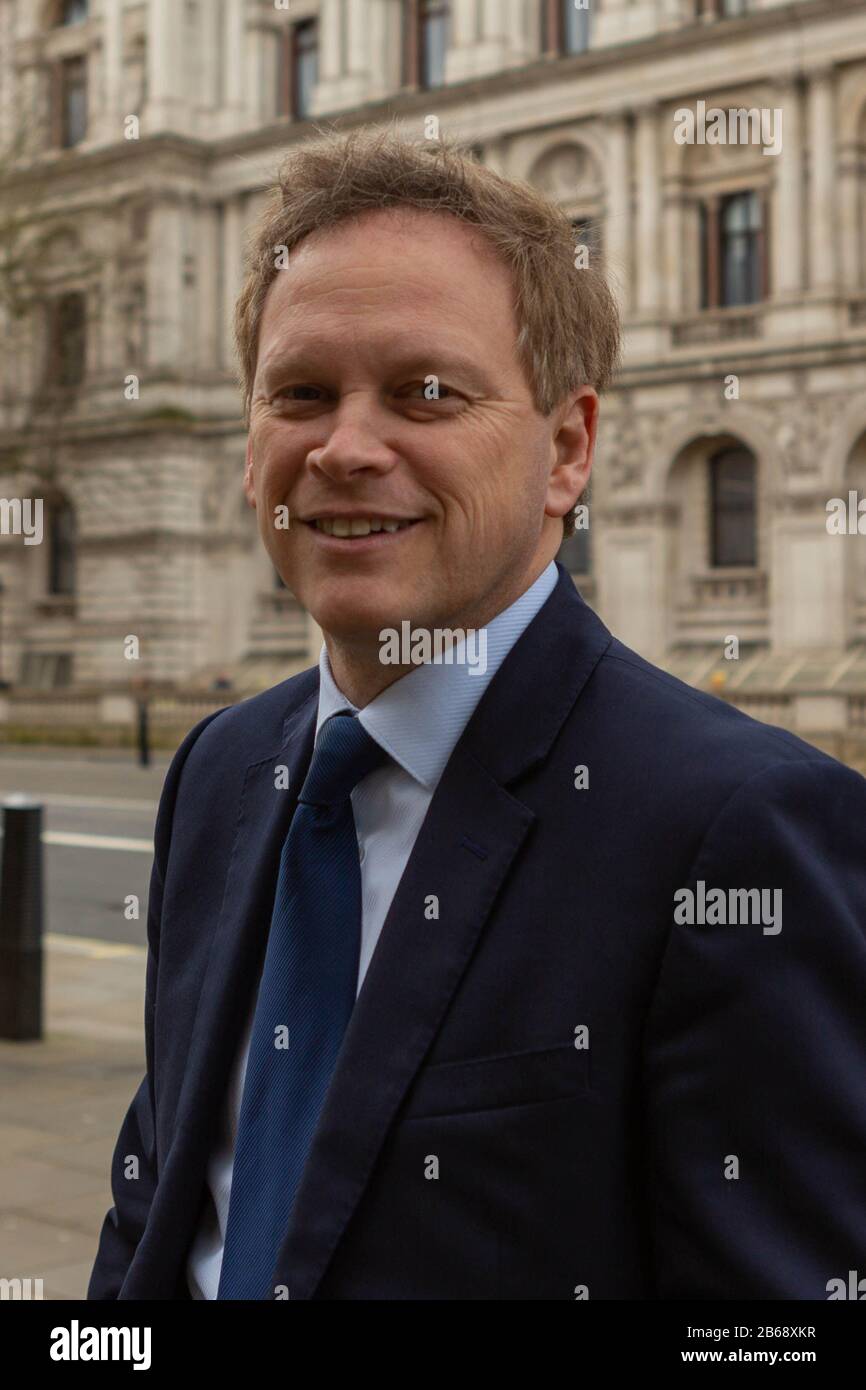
{"x":573,"y":450}
{"x":249,"y":479}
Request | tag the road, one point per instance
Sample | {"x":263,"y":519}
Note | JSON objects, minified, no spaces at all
{"x":97,"y":834}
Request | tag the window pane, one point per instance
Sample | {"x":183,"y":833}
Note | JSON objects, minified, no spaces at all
{"x":73,"y":11}
{"x":575,"y":28}
{"x":306,"y":66}
{"x":69,"y":340}
{"x":73,"y":97}
{"x":61,"y":557}
{"x":433,"y":45}
{"x":732,"y":491}
{"x":740,"y":250}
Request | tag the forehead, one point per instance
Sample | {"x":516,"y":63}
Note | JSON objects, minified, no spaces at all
{"x":397,"y":261}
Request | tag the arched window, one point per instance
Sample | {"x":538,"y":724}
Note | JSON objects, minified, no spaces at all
{"x":61,"y":549}
{"x":733,"y":514}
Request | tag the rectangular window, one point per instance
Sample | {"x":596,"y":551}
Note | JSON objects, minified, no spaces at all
{"x":703,"y":254}
{"x":575,"y":28}
{"x":565,"y":26}
{"x":305,"y":67}
{"x":732,"y":250}
{"x":61,"y":551}
{"x":66,"y":329}
{"x":297,"y":69}
{"x":433,"y":31}
{"x":732,"y":498}
{"x":740,"y":249}
{"x":71,"y":99}
{"x":46,"y":670}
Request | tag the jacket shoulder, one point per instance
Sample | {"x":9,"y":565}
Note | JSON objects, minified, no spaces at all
{"x":680,"y":725}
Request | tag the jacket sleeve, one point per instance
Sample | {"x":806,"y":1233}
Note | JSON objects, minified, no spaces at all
{"x":124,"y":1225}
{"x":755,"y":1052}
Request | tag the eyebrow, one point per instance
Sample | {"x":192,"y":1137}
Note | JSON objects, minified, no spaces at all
{"x":425,"y":363}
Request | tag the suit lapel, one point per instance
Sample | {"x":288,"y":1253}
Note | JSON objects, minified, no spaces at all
{"x":473,"y":830}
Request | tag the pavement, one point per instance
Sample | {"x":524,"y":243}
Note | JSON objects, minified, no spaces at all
{"x":62,"y":1099}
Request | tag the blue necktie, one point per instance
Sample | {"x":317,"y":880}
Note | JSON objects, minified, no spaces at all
{"x":307,"y":992}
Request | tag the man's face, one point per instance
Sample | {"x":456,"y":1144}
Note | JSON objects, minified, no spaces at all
{"x":345,"y":422}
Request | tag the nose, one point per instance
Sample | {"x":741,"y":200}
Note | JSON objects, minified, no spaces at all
{"x":356,"y":440}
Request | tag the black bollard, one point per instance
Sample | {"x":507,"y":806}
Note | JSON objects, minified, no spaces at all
{"x":143,"y":735}
{"x":21,"y":899}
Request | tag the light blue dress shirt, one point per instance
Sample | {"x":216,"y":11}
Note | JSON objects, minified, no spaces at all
{"x":418,"y":720}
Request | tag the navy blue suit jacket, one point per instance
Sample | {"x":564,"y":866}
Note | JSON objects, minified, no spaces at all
{"x":467,"y":1148}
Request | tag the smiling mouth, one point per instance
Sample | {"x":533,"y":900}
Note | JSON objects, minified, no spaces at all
{"x":359,"y":528}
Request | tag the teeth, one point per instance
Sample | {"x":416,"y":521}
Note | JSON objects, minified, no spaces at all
{"x":356,"y":526}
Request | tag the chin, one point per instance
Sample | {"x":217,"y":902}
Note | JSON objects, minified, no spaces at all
{"x":347,"y":621}
{"x":350,"y":604}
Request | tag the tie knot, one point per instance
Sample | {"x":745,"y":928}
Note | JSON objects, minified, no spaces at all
{"x":343,"y":755}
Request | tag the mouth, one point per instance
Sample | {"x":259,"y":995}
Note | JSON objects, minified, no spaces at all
{"x":355,"y":533}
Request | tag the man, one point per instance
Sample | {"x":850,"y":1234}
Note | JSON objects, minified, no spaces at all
{"x":539,"y":976}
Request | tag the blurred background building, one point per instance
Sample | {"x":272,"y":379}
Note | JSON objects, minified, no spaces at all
{"x":136,"y":138}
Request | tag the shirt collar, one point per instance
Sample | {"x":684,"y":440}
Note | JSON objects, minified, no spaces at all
{"x":419,"y":719}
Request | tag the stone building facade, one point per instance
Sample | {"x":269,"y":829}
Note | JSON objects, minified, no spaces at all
{"x":153,"y":127}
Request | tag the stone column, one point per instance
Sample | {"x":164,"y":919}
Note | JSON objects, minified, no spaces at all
{"x":623,"y":21}
{"x":209,"y":279}
{"x":848,"y":187}
{"x":360,"y":53}
{"x":234,"y":64}
{"x":165,"y":105}
{"x":112,"y":64}
{"x":465,"y":23}
{"x":822,"y":182}
{"x":165,"y":251}
{"x":331,"y":41}
{"x":617,"y":225}
{"x":232,"y":270}
{"x":649,"y":212}
{"x":488,"y":36}
{"x":674,"y":216}
{"x":787,"y":229}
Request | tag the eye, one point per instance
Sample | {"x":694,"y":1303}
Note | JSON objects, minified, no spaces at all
{"x":297,"y":393}
{"x":430,"y":391}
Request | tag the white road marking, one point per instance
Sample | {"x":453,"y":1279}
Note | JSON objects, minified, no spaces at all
{"x":76,"y":841}
{"x":94,"y":803}
{"x":91,"y":946}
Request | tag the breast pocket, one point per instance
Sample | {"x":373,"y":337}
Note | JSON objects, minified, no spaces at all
{"x":493,"y":1083}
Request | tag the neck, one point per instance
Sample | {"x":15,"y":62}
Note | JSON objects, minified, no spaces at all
{"x":356,"y":666}
{"x":358,"y":673}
